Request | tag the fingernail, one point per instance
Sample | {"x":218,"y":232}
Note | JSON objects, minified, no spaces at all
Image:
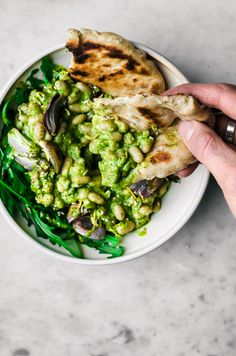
{"x":186,"y":129}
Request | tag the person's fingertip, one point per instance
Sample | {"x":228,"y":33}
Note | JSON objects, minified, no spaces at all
{"x":186,"y":129}
{"x":182,"y":174}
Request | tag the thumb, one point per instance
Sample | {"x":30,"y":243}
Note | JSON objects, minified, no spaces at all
{"x":210,"y":150}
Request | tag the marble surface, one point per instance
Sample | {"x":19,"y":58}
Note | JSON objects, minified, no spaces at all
{"x":178,"y":300}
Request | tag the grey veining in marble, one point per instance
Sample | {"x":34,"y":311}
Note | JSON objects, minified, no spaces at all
{"x":179,"y":300}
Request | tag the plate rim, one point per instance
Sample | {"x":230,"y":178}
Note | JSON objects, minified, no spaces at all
{"x":108,"y":261}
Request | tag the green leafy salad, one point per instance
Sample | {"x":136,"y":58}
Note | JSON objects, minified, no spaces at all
{"x":66,"y":165}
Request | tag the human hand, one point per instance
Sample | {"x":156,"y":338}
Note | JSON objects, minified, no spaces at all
{"x":205,"y":144}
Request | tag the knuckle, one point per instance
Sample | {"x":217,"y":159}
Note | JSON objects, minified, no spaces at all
{"x":226,"y":86}
{"x":223,"y":86}
{"x":221,"y":90}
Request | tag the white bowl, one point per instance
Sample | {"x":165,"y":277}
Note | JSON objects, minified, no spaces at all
{"x":178,"y":205}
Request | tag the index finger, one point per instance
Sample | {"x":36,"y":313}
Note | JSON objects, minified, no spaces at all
{"x":221,"y":96}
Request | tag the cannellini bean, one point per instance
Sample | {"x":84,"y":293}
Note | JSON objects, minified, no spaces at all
{"x":119,"y":212}
{"x":136,"y":154}
{"x":63,"y":184}
{"x":107,"y":125}
{"x":76,"y":107}
{"x":124,"y":227}
{"x":128,"y":138}
{"x":86,"y":128}
{"x":80,"y":107}
{"x":96,"y":198}
{"x":78,"y":119}
{"x":39,"y":131}
{"x":146,"y":146}
{"x":83,"y":193}
{"x":145,"y":210}
{"x":122,"y":126}
{"x":117,"y":136}
{"x":48,"y":199}
{"x":66,"y":166}
{"x":80,"y":180}
{"x":62,"y":87}
{"x":83,"y":87}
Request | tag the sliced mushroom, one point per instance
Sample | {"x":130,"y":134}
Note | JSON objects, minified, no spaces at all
{"x":51,"y":118}
{"x":52,"y":154}
{"x":146,"y":187}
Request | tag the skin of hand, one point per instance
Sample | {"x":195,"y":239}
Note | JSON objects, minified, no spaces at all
{"x":205,"y":144}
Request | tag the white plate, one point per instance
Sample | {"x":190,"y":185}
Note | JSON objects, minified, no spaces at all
{"x":178,"y":205}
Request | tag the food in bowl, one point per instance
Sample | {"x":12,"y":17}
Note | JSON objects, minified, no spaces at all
{"x":68,"y":161}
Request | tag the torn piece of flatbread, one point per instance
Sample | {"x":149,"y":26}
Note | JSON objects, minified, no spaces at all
{"x":169,"y":153}
{"x":142,"y":112}
{"x":112,"y":63}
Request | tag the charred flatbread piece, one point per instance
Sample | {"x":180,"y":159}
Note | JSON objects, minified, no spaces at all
{"x":169,"y":153}
{"x":142,"y":112}
{"x":112,"y":63}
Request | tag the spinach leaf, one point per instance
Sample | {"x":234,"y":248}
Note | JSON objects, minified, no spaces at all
{"x":47,"y":67}
{"x":22,"y":93}
{"x":6,"y":120}
{"x":35,"y":83}
{"x":8,"y":201}
{"x":110,"y":245}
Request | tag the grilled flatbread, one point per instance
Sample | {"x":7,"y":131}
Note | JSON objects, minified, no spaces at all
{"x":169,"y":154}
{"x":142,"y":112}
{"x":112,"y":63}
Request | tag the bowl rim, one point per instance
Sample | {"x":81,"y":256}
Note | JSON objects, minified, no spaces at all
{"x":108,"y":261}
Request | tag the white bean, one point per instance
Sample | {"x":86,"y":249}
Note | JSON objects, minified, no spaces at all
{"x":83,"y":193}
{"x":80,"y":180}
{"x":145,"y":210}
{"x":39,"y":131}
{"x":118,"y":212}
{"x":146,"y":146}
{"x":136,"y":154}
{"x":107,"y":125}
{"x":117,"y":136}
{"x":83,"y":87}
{"x":76,"y":107}
{"x":66,"y":166}
{"x":124,"y":227}
{"x":96,"y":198}
{"x":78,"y":119}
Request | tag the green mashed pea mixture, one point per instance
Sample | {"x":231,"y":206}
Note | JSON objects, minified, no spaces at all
{"x":85,"y":168}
